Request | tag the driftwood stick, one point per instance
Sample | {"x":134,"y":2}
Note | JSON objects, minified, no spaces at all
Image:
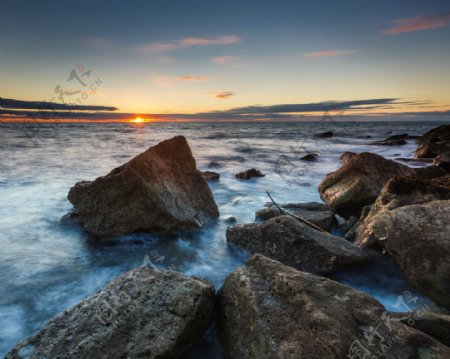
{"x":300,"y":219}
{"x":275,"y":203}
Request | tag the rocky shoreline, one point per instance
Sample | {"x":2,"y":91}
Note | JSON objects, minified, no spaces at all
{"x":280,"y":304}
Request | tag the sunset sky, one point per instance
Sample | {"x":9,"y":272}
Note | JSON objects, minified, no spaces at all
{"x":188,"y":59}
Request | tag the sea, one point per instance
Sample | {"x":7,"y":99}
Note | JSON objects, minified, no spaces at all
{"x":48,"y":264}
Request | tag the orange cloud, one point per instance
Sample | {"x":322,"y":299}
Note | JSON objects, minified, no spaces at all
{"x":418,"y":23}
{"x":328,"y":53}
{"x":189,"y":42}
{"x":172,"y":80}
{"x":223,"y":95}
{"x":224,"y":59}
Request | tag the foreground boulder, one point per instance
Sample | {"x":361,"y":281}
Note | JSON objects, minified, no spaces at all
{"x":398,"y":192}
{"x":295,"y":244}
{"x":317,"y":213}
{"x":160,"y":189}
{"x":359,"y":182}
{"x":144,"y":313}
{"x":269,"y":310}
{"x":418,"y":239}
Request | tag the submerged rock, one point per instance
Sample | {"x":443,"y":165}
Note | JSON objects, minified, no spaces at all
{"x":144,"y":313}
{"x":269,"y":310}
{"x":326,"y":134}
{"x":295,"y":244}
{"x":398,"y":192}
{"x":311,"y":157}
{"x":160,"y":189}
{"x":210,"y":176}
{"x":417,"y":237}
{"x":359,"y":182}
{"x":249,"y":174}
{"x":317,"y":213}
{"x":395,"y":140}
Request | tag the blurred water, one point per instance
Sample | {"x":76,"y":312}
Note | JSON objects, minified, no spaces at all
{"x":47,"y":266}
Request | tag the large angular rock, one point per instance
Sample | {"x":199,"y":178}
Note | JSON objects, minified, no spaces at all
{"x":398,"y":192}
{"x":418,"y":239}
{"x":158,"y":190}
{"x":295,"y":244}
{"x":269,"y":310}
{"x":359,"y":182}
{"x":144,"y":313}
{"x":434,"y":143}
{"x":317,"y":213}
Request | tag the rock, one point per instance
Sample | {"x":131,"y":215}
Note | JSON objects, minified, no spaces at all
{"x":230,"y":219}
{"x":249,"y":174}
{"x":346,"y":156}
{"x":214,"y":164}
{"x":418,"y":160}
{"x":317,"y":213}
{"x":144,"y":313}
{"x":434,"y":142}
{"x":295,"y":244}
{"x":269,"y":310}
{"x":359,"y":182}
{"x":417,"y":237}
{"x":312,"y":157}
{"x":431,"y":150}
{"x":158,"y":190}
{"x":442,"y":161}
{"x":436,"y":325}
{"x":351,"y":231}
{"x":395,"y":140}
{"x":326,"y":134}
{"x":210,"y":176}
{"x":398,"y":192}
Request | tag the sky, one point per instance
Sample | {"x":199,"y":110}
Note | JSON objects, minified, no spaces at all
{"x":237,"y":60}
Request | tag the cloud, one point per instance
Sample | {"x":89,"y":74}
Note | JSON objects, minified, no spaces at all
{"x":172,"y":80}
{"x":6,"y":103}
{"x":189,"y":42}
{"x":418,"y":23}
{"x":311,"y":107}
{"x":98,"y":43}
{"x":328,"y":53}
{"x":18,"y":110}
{"x":224,"y":59}
{"x":223,"y":95}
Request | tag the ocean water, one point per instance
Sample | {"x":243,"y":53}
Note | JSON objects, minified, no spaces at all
{"x":48,"y":265}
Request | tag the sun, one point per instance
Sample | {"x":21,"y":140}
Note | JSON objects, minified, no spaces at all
{"x":138,"y":120}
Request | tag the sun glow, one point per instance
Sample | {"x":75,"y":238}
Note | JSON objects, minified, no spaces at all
{"x":138,"y":120}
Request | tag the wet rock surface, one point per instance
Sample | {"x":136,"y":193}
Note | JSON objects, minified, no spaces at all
{"x":317,"y":213}
{"x":144,"y":313}
{"x":158,"y":190}
{"x":269,"y":310}
{"x":398,"y":192}
{"x":251,"y":173}
{"x":358,"y":182}
{"x":417,"y":237}
{"x":295,"y":244}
